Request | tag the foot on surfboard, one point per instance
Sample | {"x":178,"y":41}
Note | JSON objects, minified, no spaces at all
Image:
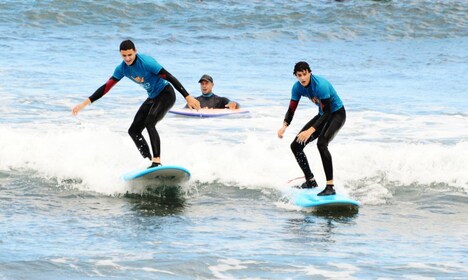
{"x":329,"y":190}
{"x":309,"y":184}
{"x":154,"y":164}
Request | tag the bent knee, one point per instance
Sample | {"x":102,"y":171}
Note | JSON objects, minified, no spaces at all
{"x":296,"y":147}
{"x":132,"y":131}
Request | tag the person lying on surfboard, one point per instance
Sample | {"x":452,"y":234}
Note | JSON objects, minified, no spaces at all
{"x":324,"y":126}
{"x":210,"y":100}
{"x":147,"y":72}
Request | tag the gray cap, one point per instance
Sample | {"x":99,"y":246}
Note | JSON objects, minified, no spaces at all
{"x":206,"y":77}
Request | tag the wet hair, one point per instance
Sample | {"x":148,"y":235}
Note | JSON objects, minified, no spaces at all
{"x":301,"y":66}
{"x":127,"y":45}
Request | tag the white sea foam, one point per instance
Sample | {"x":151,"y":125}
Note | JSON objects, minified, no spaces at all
{"x":340,"y":272}
{"x":243,"y":152}
{"x":225,"y":265}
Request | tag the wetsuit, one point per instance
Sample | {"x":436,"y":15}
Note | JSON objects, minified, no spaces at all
{"x":327,"y":122}
{"x":149,"y":74}
{"x":213,"y":101}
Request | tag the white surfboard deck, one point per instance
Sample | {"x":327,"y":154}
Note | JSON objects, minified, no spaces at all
{"x":207,"y":113}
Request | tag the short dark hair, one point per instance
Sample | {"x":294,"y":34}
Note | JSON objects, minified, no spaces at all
{"x":301,"y":66}
{"x":127,"y":45}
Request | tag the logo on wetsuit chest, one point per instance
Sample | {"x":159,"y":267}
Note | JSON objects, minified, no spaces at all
{"x":141,"y":82}
{"x":139,"y":79}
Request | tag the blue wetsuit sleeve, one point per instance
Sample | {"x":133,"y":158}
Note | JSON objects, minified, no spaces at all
{"x":153,"y":65}
{"x":118,"y":72}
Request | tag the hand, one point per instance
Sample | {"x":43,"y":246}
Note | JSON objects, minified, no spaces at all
{"x":76,"y":109}
{"x":80,"y":106}
{"x":281,"y":131}
{"x":231,"y":105}
{"x":305,"y":135}
{"x":192,"y":103}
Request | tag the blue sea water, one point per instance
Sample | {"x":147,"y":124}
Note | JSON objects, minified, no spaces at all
{"x":399,"y":66}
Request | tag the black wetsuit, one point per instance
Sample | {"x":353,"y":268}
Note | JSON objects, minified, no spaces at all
{"x":212,"y":101}
{"x":150,"y":112}
{"x":325,"y":133}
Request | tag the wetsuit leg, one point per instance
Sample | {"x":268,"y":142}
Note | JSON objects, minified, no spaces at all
{"x":329,"y":131}
{"x":161,"y":105}
{"x":298,"y":150}
{"x":137,"y":127}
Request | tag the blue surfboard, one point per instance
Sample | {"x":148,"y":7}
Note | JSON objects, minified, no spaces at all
{"x":308,"y":198}
{"x":207,"y":113}
{"x":160,"y":174}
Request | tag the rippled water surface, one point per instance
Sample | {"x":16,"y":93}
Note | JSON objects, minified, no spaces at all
{"x":399,"y":66}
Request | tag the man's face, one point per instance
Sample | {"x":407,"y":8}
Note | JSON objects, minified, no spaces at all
{"x":303,"y":77}
{"x":128,"y":56}
{"x":206,"y":86}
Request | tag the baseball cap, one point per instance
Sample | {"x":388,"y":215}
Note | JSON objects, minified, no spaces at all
{"x":206,"y":77}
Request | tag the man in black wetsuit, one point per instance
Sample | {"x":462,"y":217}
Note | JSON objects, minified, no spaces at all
{"x":148,"y":73}
{"x":210,"y":100}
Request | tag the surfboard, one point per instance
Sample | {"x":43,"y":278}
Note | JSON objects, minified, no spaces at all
{"x":159,"y":174}
{"x":308,"y":198}
{"x":207,"y":113}
{"x":162,"y":184}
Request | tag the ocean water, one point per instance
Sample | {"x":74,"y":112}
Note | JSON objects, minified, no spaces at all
{"x":399,"y":66}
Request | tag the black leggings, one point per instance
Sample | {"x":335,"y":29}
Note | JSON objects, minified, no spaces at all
{"x":149,"y":114}
{"x":325,"y":135}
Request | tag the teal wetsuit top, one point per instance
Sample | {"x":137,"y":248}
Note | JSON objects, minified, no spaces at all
{"x":145,"y":72}
{"x":320,"y":89}
{"x":320,"y":92}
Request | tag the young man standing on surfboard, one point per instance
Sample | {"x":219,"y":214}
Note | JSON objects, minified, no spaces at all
{"x":147,"y":72}
{"x":210,"y":100}
{"x":324,"y":126}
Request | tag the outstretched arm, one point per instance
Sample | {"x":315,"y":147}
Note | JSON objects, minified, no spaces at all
{"x":191,"y":101}
{"x":288,"y":117}
{"x":100,"y":92}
